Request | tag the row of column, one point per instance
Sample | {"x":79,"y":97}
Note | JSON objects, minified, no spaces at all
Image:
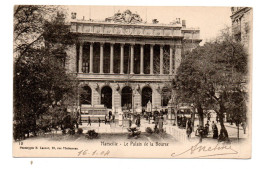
{"x":177,"y":55}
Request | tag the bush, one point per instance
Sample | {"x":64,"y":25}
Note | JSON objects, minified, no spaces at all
{"x":71,"y":131}
{"x":133,"y":132}
{"x":156,"y":130}
{"x":80,"y":131}
{"x":18,"y":132}
{"x":91,"y":134}
{"x":64,"y":131}
{"x":149,"y":130}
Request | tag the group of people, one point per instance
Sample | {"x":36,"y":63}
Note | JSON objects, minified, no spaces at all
{"x":136,"y":120}
{"x":110,"y":117}
{"x":181,"y":121}
{"x":204,"y":131}
{"x":158,"y":123}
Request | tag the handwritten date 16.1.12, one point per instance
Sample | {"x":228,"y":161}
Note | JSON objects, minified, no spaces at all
{"x":95,"y":153}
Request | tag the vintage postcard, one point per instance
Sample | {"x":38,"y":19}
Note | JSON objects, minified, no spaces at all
{"x":132,"y":81}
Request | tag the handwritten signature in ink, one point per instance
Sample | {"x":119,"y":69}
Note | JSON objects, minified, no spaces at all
{"x":198,"y":150}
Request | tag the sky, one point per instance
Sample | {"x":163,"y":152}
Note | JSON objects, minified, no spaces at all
{"x":210,"y":20}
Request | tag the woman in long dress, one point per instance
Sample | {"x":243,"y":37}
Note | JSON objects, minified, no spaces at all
{"x":215,"y":132}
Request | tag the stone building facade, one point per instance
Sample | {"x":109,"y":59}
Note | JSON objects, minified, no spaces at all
{"x":124,"y":63}
{"x":242,"y":24}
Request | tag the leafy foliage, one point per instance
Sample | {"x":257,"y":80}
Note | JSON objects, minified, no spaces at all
{"x":42,"y":88}
{"x":92,"y":134}
{"x":79,"y":131}
{"x":214,"y":76}
{"x":148,"y":130}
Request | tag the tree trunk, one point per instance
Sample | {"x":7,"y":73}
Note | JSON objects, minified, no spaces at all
{"x":223,"y":136}
{"x":200,"y":113}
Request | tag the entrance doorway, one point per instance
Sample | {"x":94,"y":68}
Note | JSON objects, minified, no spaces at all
{"x":146,"y":96}
{"x":106,"y":96}
{"x":126,"y":97}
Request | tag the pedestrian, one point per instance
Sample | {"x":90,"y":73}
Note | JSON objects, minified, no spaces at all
{"x":207,"y":128}
{"x":109,"y":115}
{"x":189,"y":128}
{"x":180,"y":121}
{"x":200,"y":132}
{"x":160,"y":123}
{"x":89,"y":121}
{"x":184,"y":120}
{"x":130,"y":123}
{"x":113,"y":118}
{"x":137,"y":122}
{"x":208,"y":116}
{"x":215,"y":131}
{"x":105,"y":119}
{"x":99,"y":121}
{"x":157,"y":120}
{"x":244,"y":126}
{"x":213,"y":125}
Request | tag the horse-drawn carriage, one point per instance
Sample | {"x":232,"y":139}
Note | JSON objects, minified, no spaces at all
{"x":94,"y":112}
{"x":185,"y":113}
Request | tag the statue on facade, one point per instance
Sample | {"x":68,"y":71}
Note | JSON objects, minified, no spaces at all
{"x":125,"y":17}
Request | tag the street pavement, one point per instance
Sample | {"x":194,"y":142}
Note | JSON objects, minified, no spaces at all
{"x":179,"y":134}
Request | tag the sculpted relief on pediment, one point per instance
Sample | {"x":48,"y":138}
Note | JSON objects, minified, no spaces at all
{"x":125,"y":17}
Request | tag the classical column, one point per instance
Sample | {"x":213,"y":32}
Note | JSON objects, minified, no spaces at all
{"x":111,"y":58}
{"x":121,"y":58}
{"x":142,"y":59}
{"x":170,"y":67}
{"x":80,"y":57}
{"x":132,"y":59}
{"x":151,"y":59}
{"x":177,"y":56}
{"x":91,"y":58}
{"x":161,"y":59}
{"x":101,"y":57}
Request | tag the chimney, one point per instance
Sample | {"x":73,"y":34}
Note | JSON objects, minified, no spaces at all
{"x":183,"y":23}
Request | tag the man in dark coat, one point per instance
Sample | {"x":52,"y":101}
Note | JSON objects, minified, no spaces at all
{"x":99,"y":121}
{"x":189,"y":128}
{"x":215,"y":130}
{"x":105,"y":119}
{"x":109,"y":115}
{"x":89,"y":121}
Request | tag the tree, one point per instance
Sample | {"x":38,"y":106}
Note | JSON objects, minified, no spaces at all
{"x":29,"y":23}
{"x":213,"y":76}
{"x":41,"y":83}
